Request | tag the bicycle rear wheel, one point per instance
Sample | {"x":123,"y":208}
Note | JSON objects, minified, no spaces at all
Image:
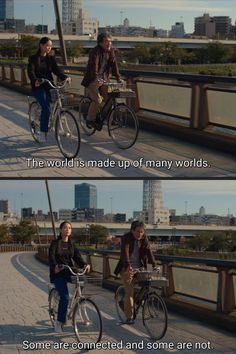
{"x":87,"y":321}
{"x":83,"y":113}
{"x":34,"y":119}
{"x":53,"y":301}
{"x":67,"y":134}
{"x":123,"y":126}
{"x":155,"y":316}
{"x":119,"y":300}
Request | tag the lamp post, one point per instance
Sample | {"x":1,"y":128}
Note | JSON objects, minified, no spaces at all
{"x":88,"y":234}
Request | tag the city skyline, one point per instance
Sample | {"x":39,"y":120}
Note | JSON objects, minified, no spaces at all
{"x":217,"y":197}
{"x":158,"y":13}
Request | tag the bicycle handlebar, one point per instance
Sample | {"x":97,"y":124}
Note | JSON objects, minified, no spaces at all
{"x":80,"y":271}
{"x":42,"y":81}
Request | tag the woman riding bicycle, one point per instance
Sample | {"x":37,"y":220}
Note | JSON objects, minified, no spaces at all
{"x":63,"y":251}
{"x":41,"y":66}
{"x":135,"y":253}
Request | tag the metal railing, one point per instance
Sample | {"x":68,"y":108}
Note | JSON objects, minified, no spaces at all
{"x":189,"y":104}
{"x":212,"y":281}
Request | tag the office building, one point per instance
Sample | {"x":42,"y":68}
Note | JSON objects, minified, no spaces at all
{"x":4,"y":206}
{"x":70,"y":10}
{"x":85,"y":196}
{"x":204,"y":26}
{"x":223,"y":25}
{"x":177,"y":30}
{"x":6,"y":9}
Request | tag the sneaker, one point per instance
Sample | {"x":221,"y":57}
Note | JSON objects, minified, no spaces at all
{"x":58,"y":327}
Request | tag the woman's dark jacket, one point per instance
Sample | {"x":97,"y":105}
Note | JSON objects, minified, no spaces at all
{"x":127,"y":246}
{"x":94,"y":64}
{"x":37,"y":70}
{"x":71,"y":258}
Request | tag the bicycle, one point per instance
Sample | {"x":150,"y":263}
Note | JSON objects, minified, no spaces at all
{"x":121,"y":120}
{"x":84,"y":313}
{"x":61,"y":120}
{"x":154,"y":311}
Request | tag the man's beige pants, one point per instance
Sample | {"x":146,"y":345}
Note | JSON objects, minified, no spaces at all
{"x":128,"y":282}
{"x":98,"y":95}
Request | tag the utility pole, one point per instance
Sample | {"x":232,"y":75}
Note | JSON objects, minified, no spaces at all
{"x":50,"y":208}
{"x":60,"y":33}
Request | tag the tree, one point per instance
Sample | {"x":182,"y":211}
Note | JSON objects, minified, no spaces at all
{"x":140,"y":53}
{"x":24,"y":232}
{"x":199,"y":242}
{"x":80,"y":236}
{"x":5,"y":236}
{"x":74,"y":50}
{"x":98,"y":234}
{"x":28,"y":45}
{"x":8,"y":49}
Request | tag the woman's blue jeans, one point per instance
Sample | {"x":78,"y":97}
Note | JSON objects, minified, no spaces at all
{"x":61,"y":286}
{"x":43,"y":98}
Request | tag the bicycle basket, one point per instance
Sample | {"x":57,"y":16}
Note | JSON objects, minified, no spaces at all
{"x":92,"y":283}
{"x":127,"y":93}
{"x":70,"y":100}
{"x":55,"y":95}
{"x":147,"y":277}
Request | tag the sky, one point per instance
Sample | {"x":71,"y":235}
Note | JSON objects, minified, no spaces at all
{"x":124,"y":196}
{"x":159,"y":13}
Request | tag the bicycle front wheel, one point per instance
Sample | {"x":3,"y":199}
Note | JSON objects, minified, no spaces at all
{"x":123,"y":126}
{"x":34,"y":119}
{"x":53,"y":301}
{"x":83,"y":114}
{"x":87,"y":322}
{"x":155,"y":316}
{"x":119,"y":301}
{"x":67,"y":134}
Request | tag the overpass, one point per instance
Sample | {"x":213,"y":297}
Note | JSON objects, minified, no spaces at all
{"x":118,"y":229}
{"x":187,"y":129}
{"x":25,"y":322}
{"x":88,"y":42}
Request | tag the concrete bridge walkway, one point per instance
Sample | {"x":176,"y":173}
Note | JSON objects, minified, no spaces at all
{"x":25,"y":322}
{"x":167,"y":153}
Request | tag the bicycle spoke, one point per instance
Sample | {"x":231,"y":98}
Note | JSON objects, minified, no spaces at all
{"x":87,"y":322}
{"x":123,"y":126}
{"x":67,"y":134}
{"x":34,"y":120}
{"x":155,"y":316}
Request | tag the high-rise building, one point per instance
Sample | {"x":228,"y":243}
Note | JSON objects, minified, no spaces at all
{"x":85,"y":196}
{"x":6,"y":9}
{"x":70,"y":10}
{"x":177,"y":30}
{"x":151,"y":190}
{"x":153,"y":210}
{"x":4,"y":206}
{"x":204,"y":26}
{"x":223,"y":25}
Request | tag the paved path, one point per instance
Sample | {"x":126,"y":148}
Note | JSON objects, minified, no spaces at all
{"x":25,"y":323}
{"x":17,"y":145}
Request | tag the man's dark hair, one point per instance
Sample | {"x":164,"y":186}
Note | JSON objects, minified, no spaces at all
{"x":101,"y":37}
{"x":136,"y":224}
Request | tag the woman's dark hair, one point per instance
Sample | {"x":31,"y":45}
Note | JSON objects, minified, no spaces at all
{"x":43,"y":41}
{"x":136,"y":224}
{"x":101,"y":37}
{"x":71,"y":248}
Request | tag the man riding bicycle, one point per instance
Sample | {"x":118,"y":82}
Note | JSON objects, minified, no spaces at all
{"x":135,"y":253}
{"x":101,"y":61}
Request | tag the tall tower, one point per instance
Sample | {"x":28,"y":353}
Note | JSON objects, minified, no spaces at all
{"x":153,"y":210}
{"x":152,"y":191}
{"x":6,"y":9}
{"x":70,"y":10}
{"x":85,"y":196}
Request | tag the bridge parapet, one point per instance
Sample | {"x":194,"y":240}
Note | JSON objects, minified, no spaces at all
{"x":209,"y":283}
{"x":200,"y":108}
